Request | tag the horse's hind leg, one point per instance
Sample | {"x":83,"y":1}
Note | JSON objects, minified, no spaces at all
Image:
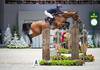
{"x":30,"y":38}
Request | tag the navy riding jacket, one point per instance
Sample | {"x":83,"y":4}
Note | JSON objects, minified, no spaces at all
{"x":53,"y":11}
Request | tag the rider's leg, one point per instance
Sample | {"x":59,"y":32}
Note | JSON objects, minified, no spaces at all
{"x":50,"y":18}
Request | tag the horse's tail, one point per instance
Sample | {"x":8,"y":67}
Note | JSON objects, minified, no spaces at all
{"x":26,"y":28}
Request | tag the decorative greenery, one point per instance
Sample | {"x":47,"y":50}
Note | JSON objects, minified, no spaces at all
{"x":17,"y":43}
{"x":43,"y":62}
{"x":64,"y":51}
{"x":7,"y":35}
{"x":67,"y":61}
{"x":62,"y":62}
{"x":92,"y":42}
{"x":62,"y":57}
{"x":87,"y":58}
{"x":17,"y":47}
{"x":15,"y":29}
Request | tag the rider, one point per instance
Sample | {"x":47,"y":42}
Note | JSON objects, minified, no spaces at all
{"x":50,"y":13}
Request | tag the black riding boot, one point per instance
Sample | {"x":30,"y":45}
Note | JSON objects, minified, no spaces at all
{"x":52,"y":24}
{"x":51,"y":21}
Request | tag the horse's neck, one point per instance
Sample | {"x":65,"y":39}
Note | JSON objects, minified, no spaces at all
{"x":68,"y":14}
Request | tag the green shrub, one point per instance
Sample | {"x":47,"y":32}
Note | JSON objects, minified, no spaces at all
{"x":62,"y":57}
{"x":88,"y":58}
{"x":53,"y":62}
{"x":67,"y":61}
{"x":62,"y":62}
{"x":43,"y":62}
{"x":79,"y":62}
{"x":64,"y":51}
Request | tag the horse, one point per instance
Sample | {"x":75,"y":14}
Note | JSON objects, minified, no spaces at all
{"x":37,"y":27}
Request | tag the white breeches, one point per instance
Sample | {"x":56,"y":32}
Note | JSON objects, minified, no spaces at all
{"x":48,"y":14}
